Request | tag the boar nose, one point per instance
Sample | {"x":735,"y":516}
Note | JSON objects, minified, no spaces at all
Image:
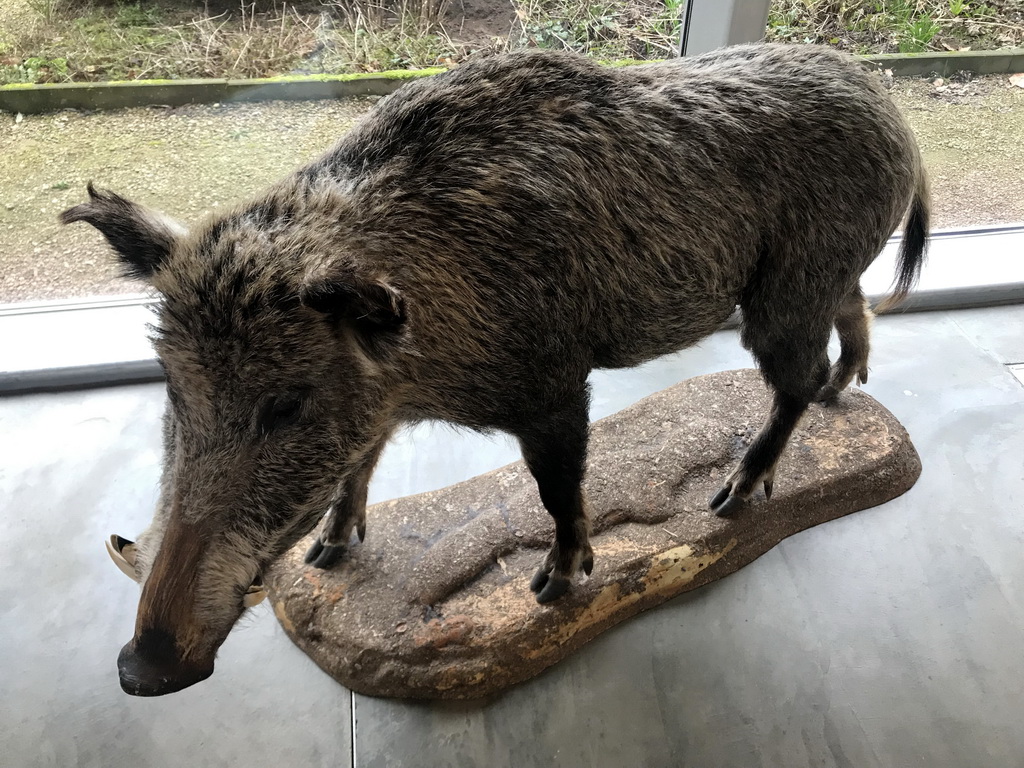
{"x":150,"y":665}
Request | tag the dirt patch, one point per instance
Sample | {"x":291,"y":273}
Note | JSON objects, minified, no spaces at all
{"x":477,"y":22}
{"x":193,"y":160}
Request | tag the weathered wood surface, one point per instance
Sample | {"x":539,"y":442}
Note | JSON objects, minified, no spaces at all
{"x":435,"y":602}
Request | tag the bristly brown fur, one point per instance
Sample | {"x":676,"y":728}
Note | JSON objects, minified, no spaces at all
{"x":481,"y":242}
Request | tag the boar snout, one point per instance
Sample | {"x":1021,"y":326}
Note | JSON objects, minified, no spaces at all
{"x":150,"y":665}
{"x":187,"y":607}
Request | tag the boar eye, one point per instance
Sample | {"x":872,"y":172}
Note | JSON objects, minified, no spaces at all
{"x":279,"y":412}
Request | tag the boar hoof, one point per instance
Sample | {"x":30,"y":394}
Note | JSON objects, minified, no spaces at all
{"x":730,"y":498}
{"x":540,"y":578}
{"x":726,"y":502}
{"x":549,"y":586}
{"x":324,"y":556}
{"x":828,"y":394}
{"x":552,"y":580}
{"x":588,"y":563}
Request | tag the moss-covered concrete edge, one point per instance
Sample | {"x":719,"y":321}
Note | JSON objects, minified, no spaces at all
{"x":29,"y":98}
{"x":34,"y":99}
{"x":1004,"y":61}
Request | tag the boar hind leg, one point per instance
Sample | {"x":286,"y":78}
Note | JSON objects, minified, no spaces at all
{"x":555,"y":449}
{"x":794,"y":363}
{"x":348,"y":512}
{"x":853,"y":324}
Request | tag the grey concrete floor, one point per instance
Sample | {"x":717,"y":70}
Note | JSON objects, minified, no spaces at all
{"x":889,"y":638}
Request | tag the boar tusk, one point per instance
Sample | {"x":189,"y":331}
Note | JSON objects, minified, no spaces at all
{"x":122,"y":552}
{"x":255,"y":594}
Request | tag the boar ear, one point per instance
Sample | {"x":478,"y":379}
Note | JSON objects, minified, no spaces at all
{"x":142,"y":239}
{"x":374,"y":309}
{"x":373,"y":305}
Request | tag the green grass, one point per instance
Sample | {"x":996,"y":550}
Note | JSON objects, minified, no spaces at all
{"x":903,"y":26}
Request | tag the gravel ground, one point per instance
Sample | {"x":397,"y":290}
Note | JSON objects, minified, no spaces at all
{"x":17,"y":14}
{"x":192,"y":160}
{"x":972,"y":137}
{"x":186,"y":161}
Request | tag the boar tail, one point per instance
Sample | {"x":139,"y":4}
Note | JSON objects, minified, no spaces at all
{"x":913,"y":247}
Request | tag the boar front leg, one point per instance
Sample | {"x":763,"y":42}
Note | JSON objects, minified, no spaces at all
{"x":555,"y":449}
{"x":346,"y":513}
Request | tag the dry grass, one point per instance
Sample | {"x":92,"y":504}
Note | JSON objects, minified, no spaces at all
{"x":371,"y":36}
{"x":237,"y":45}
{"x":66,"y":40}
{"x":128,"y":42}
{"x":636,"y":29}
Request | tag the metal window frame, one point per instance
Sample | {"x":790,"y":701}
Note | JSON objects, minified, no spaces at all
{"x":711,"y":24}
